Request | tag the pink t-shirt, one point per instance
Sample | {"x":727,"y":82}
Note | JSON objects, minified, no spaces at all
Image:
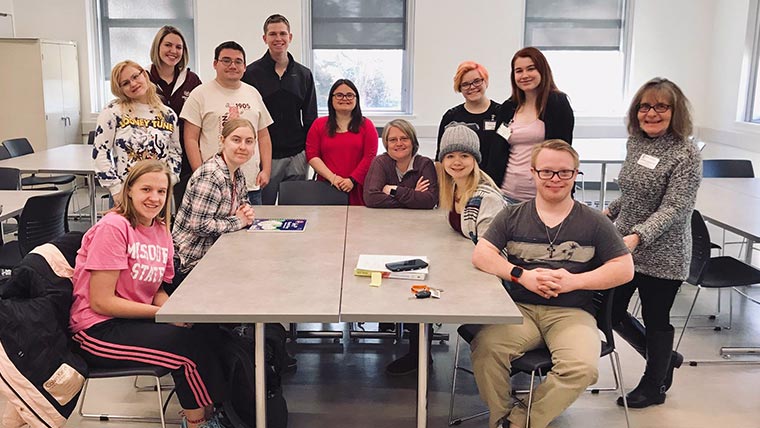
{"x":518,"y":181}
{"x":143,"y":255}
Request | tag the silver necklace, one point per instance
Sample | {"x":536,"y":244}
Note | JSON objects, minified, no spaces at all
{"x":551,"y":249}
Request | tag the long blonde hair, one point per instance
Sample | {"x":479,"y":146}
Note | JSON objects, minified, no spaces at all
{"x":447,"y":186}
{"x":116,"y":89}
{"x":127,"y":209}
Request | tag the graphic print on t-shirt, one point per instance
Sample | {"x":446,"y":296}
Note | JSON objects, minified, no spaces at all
{"x":566,"y":251}
{"x":150,"y":261}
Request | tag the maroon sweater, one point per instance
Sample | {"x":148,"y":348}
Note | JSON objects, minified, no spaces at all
{"x":383,"y":171}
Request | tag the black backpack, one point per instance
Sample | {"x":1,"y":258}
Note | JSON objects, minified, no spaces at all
{"x":237,"y":357}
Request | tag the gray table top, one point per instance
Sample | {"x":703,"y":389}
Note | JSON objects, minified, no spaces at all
{"x":732,"y":203}
{"x":71,"y":158}
{"x":267,"y":276}
{"x":469,"y":296}
{"x":13,"y":201}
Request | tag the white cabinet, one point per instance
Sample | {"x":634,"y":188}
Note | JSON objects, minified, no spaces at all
{"x":40,"y":83}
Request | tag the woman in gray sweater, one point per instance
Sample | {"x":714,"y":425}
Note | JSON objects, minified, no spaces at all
{"x":658,"y":182}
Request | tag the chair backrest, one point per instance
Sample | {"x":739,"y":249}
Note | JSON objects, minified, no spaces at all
{"x":700,"y":248}
{"x":603,"y":307}
{"x":308,"y":192}
{"x":10,"y":179}
{"x":91,"y":138}
{"x":18,"y":147}
{"x":43,"y":219}
{"x":4,"y":154}
{"x":727,"y":168}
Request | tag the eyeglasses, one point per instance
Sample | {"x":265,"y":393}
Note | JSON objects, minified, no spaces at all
{"x":659,"y":107}
{"x":403,"y":139}
{"x":563,"y":174}
{"x":471,"y":84}
{"x":341,"y":96}
{"x":132,"y":78}
{"x":228,"y":61}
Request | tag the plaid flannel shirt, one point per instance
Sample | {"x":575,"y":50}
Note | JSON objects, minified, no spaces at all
{"x":207,"y":211}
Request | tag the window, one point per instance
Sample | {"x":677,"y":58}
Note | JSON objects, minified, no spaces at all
{"x":126,"y":29}
{"x":366,"y":41}
{"x":752,"y":110}
{"x":584,"y":41}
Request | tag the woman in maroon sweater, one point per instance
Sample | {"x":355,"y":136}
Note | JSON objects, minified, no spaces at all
{"x":340,"y":147}
{"x":400,"y":178}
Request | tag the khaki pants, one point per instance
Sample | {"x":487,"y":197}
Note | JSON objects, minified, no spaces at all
{"x":571,"y":336}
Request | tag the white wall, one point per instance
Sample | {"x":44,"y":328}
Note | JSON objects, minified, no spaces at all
{"x":6,"y":6}
{"x":697,"y":43}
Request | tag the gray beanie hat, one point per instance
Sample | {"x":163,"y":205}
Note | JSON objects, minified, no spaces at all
{"x":458,"y":137}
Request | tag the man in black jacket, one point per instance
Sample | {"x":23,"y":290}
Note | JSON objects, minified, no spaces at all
{"x":288,"y":91}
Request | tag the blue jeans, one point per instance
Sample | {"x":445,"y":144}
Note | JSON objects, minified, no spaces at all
{"x":254,"y":197}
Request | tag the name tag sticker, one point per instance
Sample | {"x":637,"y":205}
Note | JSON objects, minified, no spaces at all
{"x":489,"y":125}
{"x":648,"y":161}
{"x":505,"y":131}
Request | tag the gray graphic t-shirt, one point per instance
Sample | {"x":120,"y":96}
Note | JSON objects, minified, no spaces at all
{"x":584,"y":241}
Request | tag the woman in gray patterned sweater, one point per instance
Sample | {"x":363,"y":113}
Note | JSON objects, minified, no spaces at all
{"x":658,"y":182}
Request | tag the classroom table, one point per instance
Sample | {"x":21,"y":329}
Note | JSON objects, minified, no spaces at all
{"x":733,"y":204}
{"x":469,"y":295}
{"x":258,"y":277}
{"x":308,"y":277}
{"x":13,"y":201}
{"x":69,"y":159}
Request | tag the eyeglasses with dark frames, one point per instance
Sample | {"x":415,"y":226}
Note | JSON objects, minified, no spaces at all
{"x":475,"y":83}
{"x":341,"y":96}
{"x":229,"y":61}
{"x":659,"y":107}
{"x":563,"y":174}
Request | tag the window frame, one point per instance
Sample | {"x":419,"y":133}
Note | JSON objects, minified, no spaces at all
{"x":100,"y":39}
{"x":407,"y":71}
{"x":626,"y":44}
{"x":752,"y":49}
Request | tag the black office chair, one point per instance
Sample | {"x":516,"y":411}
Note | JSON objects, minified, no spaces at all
{"x":91,"y":138}
{"x":714,"y":272}
{"x":539,"y":361}
{"x":4,"y":153}
{"x":43,"y":218}
{"x":727,"y":168}
{"x":10,"y":179}
{"x":154,"y":372}
{"x":21,"y":146}
{"x":310,"y":192}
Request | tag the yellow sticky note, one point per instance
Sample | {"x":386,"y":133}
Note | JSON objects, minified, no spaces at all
{"x":377,"y":279}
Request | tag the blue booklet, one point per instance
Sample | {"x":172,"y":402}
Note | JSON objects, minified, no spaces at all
{"x":278,"y":225}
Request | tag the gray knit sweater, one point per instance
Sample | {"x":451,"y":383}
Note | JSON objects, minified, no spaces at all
{"x":657,"y":203}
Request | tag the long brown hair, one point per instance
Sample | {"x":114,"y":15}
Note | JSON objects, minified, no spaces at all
{"x":155,"y":58}
{"x":127,"y":209}
{"x":546,"y":86}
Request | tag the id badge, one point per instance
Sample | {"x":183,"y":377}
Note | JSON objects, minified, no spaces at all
{"x":489,"y":125}
{"x":648,"y":161}
{"x":504,"y":131}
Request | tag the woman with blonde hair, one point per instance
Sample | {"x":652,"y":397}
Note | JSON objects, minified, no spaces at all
{"x":133,"y":127}
{"x":174,"y":81}
{"x":117,"y":280}
{"x":471,"y":80}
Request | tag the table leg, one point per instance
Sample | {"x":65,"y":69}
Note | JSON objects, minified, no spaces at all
{"x":750,"y":250}
{"x":261,"y":393}
{"x":603,"y":186}
{"x":91,"y":192}
{"x":422,"y":377}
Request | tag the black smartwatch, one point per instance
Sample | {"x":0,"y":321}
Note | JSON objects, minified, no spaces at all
{"x":515,"y":274}
{"x":393,"y":192}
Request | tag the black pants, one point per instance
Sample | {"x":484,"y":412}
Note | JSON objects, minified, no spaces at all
{"x":657,"y":296}
{"x":190,"y":353}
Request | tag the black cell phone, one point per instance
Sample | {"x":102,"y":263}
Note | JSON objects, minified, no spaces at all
{"x":406,"y":265}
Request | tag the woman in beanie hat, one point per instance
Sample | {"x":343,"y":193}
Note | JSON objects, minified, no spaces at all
{"x":470,"y":198}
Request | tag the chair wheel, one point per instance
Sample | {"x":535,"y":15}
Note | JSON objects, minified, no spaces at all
{"x":718,"y":328}
{"x":712,"y":317}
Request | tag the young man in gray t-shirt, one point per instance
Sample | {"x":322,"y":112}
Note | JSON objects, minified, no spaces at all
{"x":558,"y":250}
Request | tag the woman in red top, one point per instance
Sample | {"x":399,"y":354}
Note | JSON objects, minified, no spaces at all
{"x":340,"y":147}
